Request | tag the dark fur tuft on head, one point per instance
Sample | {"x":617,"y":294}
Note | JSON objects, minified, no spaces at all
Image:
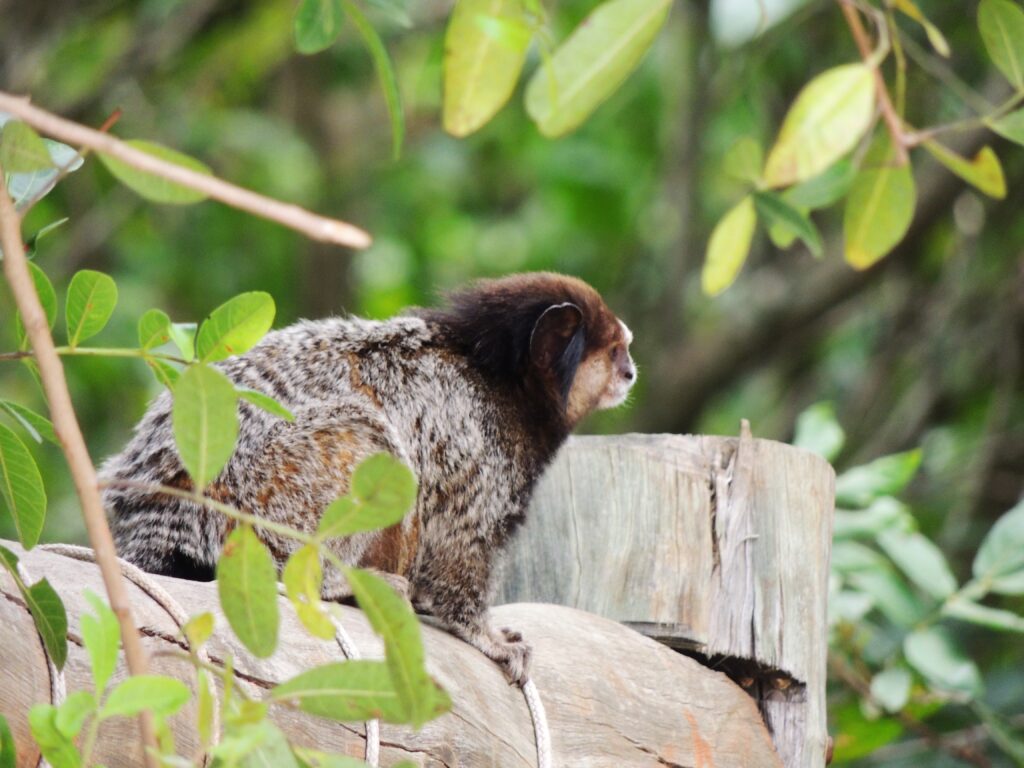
{"x":527,"y":326}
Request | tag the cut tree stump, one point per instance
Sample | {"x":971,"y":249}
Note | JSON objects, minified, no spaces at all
{"x":614,"y":698}
{"x":716,"y":546}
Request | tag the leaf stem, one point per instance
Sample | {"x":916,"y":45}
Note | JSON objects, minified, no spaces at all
{"x":889,"y":115}
{"x":310,"y":224}
{"x":65,"y":423}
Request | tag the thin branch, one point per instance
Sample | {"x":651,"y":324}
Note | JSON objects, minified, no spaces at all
{"x":65,"y":424}
{"x":99,"y":352}
{"x":892,"y":120}
{"x":310,"y":224}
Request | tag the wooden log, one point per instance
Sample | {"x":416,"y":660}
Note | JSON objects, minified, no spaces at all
{"x":613,"y":697}
{"x":716,"y":546}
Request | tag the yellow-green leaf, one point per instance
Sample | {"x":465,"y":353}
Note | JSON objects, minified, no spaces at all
{"x":149,"y":185}
{"x":1010,"y":126}
{"x":828,"y":118}
{"x":347,"y":691}
{"x":22,"y":150}
{"x":1002,"y":29}
{"x":47,"y":297}
{"x":744,"y":160}
{"x":591,"y":64}
{"x":393,"y":619}
{"x":247,"y":584}
{"x":21,"y":488}
{"x":235,"y":326}
{"x":983,"y":171}
{"x":91,"y":299}
{"x":728,"y":247}
{"x":154,"y":329}
{"x":160,"y":695}
{"x":484,"y":50}
{"x":205,"y":421}
{"x":935,"y":37}
{"x":302,"y":578}
{"x":317,"y":24}
{"x":879,"y":208}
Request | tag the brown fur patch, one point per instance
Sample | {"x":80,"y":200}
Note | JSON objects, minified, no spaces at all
{"x":356,"y":380}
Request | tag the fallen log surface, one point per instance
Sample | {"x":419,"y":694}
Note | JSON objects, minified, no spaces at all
{"x":613,"y":697}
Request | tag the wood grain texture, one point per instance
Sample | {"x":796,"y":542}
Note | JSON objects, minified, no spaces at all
{"x":613,"y":697}
{"x":719,"y":546}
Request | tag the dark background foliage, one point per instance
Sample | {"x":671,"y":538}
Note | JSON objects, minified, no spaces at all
{"x":925,"y":349}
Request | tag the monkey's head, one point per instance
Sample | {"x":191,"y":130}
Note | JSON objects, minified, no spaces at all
{"x":549,"y":334}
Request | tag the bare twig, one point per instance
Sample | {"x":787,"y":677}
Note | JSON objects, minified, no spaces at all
{"x":892,"y":120}
{"x":310,"y":224}
{"x":65,"y":424}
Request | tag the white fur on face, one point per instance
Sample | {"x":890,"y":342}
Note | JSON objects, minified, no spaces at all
{"x":620,"y":380}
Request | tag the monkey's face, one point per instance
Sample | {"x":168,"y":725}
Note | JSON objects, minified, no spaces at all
{"x":605,"y":375}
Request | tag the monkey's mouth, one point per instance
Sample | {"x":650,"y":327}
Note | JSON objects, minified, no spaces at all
{"x":618,"y":392}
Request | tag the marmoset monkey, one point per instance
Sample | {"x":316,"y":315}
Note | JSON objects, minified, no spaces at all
{"x":476,"y":397}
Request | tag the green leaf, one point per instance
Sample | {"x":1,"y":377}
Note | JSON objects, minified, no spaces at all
{"x":71,"y":715}
{"x":198,"y":629}
{"x":591,"y":64}
{"x":205,"y":419}
{"x":57,"y":748}
{"x":247,"y":584}
{"x":393,"y":619}
{"x":102,"y":636}
{"x":47,"y":297}
{"x":21,"y":488}
{"x":165,"y":373}
{"x":317,"y":24}
{"x":994,"y":618}
{"x":25,"y":188}
{"x":47,"y":610}
{"x":385,"y":73}
{"x":267,"y":403}
{"x":204,"y":708}
{"x":883,"y":513}
{"x":302,"y":579}
{"x":818,"y":431}
{"x":859,"y":486}
{"x":484,"y":50}
{"x":236,"y":326}
{"x":983,"y":172}
{"x":346,"y":691}
{"x":154,"y":329}
{"x":272,"y":751}
{"x":860,"y":736}
{"x":384,"y":485}
{"x":1000,"y":559}
{"x":935,"y":37}
{"x":184,"y":337}
{"x":8,"y":753}
{"x":1002,"y":29}
{"x":890,"y":595}
{"x":879,"y":208}
{"x":90,"y":303}
{"x":744,"y":160}
{"x":829,"y":116}
{"x":22,"y":150}
{"x":823,"y":190}
{"x":777,"y":212}
{"x":151,"y":186}
{"x":934,"y":654}
{"x":922,"y":561}
{"x":38,"y":427}
{"x":891,"y":688}
{"x":163,"y":696}
{"x":1009,"y":126}
{"x":728,"y":247}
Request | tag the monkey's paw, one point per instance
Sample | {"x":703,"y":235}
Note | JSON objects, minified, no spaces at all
{"x":506,"y":648}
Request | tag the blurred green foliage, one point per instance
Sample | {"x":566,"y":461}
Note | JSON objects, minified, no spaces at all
{"x":924,"y":349}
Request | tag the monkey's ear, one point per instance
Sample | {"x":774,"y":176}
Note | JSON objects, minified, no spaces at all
{"x":556,"y":344}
